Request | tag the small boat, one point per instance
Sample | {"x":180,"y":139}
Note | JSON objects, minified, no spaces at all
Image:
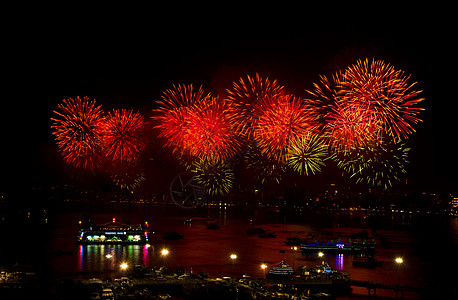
{"x":172,"y":236}
{"x":368,"y":261}
{"x":268,"y":235}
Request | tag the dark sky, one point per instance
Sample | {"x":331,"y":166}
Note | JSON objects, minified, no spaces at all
{"x":124,"y":64}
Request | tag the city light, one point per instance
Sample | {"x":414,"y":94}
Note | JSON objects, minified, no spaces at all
{"x":399,"y":260}
{"x":164,"y":252}
{"x":233,"y":256}
{"x":124,"y":266}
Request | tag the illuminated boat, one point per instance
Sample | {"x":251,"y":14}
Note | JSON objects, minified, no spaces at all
{"x":339,"y":247}
{"x":113,"y":233}
{"x":282,"y":270}
{"x":368,"y":261}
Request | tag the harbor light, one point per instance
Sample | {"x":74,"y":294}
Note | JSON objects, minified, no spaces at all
{"x":124,"y":266}
{"x":263,"y":266}
{"x":233,"y":256}
{"x":320,"y":254}
{"x":164,"y":252}
{"x":399,"y":260}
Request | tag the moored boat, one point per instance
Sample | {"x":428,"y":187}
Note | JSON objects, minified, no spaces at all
{"x":112,"y":233}
{"x":282,"y":270}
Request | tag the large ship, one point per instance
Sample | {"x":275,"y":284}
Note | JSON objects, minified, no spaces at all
{"x":282,"y":270}
{"x":112,"y":233}
{"x":339,"y":247}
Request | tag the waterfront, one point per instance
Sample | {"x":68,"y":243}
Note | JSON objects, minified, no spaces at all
{"x":428,"y":244}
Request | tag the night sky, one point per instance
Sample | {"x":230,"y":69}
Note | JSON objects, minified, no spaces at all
{"x":127,"y":65}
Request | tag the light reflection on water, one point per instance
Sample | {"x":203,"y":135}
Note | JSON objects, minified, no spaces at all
{"x":108,"y":258}
{"x":417,"y":241}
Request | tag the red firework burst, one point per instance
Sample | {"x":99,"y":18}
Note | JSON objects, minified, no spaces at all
{"x":211,"y":133}
{"x":280,"y":120}
{"x":386,"y":92}
{"x":175,"y":114}
{"x":123,"y":135}
{"x":78,"y":131}
{"x":350,"y":126}
{"x":246,"y":94}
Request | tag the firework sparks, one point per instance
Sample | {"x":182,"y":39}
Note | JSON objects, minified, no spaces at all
{"x":174,"y":114}
{"x":78,"y":132}
{"x":127,"y":175}
{"x":266,"y":170}
{"x":385,"y":91}
{"x":246,"y":94}
{"x":211,"y":133}
{"x":350,"y":126}
{"x":307,"y":154}
{"x":123,"y":135}
{"x":281,"y":121}
{"x":216,"y":177}
{"x":379,"y":164}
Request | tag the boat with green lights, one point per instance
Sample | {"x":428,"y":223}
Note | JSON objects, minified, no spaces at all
{"x":112,"y":233}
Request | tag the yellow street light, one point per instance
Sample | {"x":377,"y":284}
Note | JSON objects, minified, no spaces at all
{"x":320,"y":254}
{"x":233,"y":256}
{"x":399,"y":260}
{"x":124,"y":266}
{"x":164,"y":252}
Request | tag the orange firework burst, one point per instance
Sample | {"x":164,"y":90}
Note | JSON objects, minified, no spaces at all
{"x":211,"y":134}
{"x":380,"y":88}
{"x":123,"y":135}
{"x":246,"y":94}
{"x":350,"y":126}
{"x":197,"y":124}
{"x":78,"y":132}
{"x":280,"y":121}
{"x":175,"y":114}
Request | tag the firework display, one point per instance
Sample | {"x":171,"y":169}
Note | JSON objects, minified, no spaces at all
{"x":307,"y":154}
{"x":174,"y":114}
{"x":281,"y":121}
{"x":386,"y":92}
{"x":216,"y":177}
{"x":360,"y":117}
{"x":123,"y":139}
{"x":78,"y":129}
{"x":379,"y":164}
{"x":245,"y":98}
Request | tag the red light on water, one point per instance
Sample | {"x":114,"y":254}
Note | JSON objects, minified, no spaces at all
{"x":79,"y":222}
